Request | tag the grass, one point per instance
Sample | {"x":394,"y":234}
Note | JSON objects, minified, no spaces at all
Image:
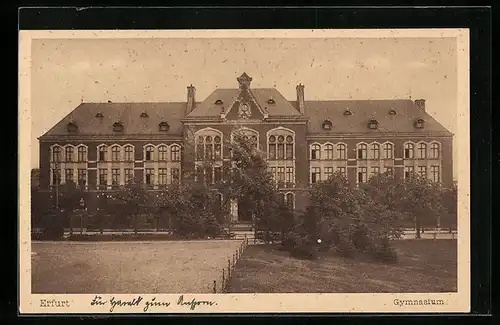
{"x":423,"y":266}
{"x":129,"y":267}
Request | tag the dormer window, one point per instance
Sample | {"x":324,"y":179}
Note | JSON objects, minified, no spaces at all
{"x":419,"y":123}
{"x":347,"y":112}
{"x":144,"y":114}
{"x":392,"y":112}
{"x":164,"y":126}
{"x":72,"y":127}
{"x":117,"y":127}
{"x":99,"y":115}
{"x":327,"y":125}
{"x":271,"y":101}
{"x":218,"y":102}
{"x":373,"y":124}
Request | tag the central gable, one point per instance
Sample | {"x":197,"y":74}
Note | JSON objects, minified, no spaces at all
{"x":244,"y":107}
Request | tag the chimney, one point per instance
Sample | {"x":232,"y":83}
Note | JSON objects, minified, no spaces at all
{"x":300,"y":98}
{"x":190,"y":99}
{"x":420,"y":103}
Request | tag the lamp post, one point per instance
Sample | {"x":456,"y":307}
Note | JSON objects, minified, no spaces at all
{"x":82,"y":206}
{"x":56,"y":168}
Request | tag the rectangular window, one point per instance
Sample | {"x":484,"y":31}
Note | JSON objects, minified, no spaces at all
{"x":273,"y":173}
{"x":175,"y":174}
{"x":208,"y":175}
{"x":315,"y":175}
{"x":162,"y":176}
{"x":408,"y":171}
{"x":56,"y":176}
{"x":422,"y":171}
{"x":289,"y":175}
{"x":362,"y":174}
{"x":375,"y":171}
{"x":199,"y":174}
{"x":281,"y":151}
{"x":149,"y":155}
{"x":389,"y":171}
{"x":68,"y":175}
{"x":281,"y":174}
{"x":209,"y":151}
{"x":129,"y":175}
{"x":162,"y":153}
{"x":217,"y":174}
{"x":150,"y":173}
{"x":342,"y":171}
{"x":175,"y":153}
{"x":272,"y":151}
{"x":289,"y":151}
{"x":115,"y":176}
{"x":82,"y":177}
{"x":115,"y":153}
{"x":435,"y":173}
{"x":103,"y":176}
{"x":342,"y":151}
{"x":328,"y":172}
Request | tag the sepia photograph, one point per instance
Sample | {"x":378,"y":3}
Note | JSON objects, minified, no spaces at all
{"x":182,"y":168}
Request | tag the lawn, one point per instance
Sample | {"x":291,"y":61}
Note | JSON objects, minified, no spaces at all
{"x":129,"y":267}
{"x":423,"y":266}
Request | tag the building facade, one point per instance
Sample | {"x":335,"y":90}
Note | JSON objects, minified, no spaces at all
{"x":103,"y":145}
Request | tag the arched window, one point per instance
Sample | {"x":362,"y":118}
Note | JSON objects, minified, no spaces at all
{"x":208,"y":145}
{"x":341,"y":151}
{"x":315,"y":152}
{"x":129,"y":153}
{"x":362,"y":151}
{"x":329,"y":151}
{"x":388,"y":151}
{"x":82,"y":154}
{"x":68,"y":154}
{"x":375,"y":151}
{"x":56,"y":154}
{"x":422,"y":150}
{"x":281,"y":144}
{"x":435,"y":150}
{"x":175,"y":153}
{"x":290,"y":200}
{"x":103,"y":153}
{"x":409,"y":151}
{"x":115,"y":153}
{"x":162,"y":153}
{"x":149,"y":153}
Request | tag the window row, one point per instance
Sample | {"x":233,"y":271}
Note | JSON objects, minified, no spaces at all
{"x":283,"y":174}
{"x":209,"y":175}
{"x":116,"y":153}
{"x":281,"y":145}
{"x":318,"y":174}
{"x":79,"y":178}
{"x":422,"y":150}
{"x":209,"y":147}
{"x":364,"y":173}
{"x":328,"y":151}
{"x":69,"y":153}
{"x":163,"y":177}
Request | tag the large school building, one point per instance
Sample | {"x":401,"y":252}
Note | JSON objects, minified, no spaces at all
{"x":103,"y":145}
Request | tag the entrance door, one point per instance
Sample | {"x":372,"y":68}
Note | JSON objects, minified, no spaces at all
{"x":244,"y":211}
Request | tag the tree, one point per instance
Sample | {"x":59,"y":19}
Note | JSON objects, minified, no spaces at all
{"x":450,"y":203}
{"x":188,"y":207}
{"x":421,"y":200}
{"x":250,"y":181}
{"x":129,"y":200}
{"x":385,"y":213}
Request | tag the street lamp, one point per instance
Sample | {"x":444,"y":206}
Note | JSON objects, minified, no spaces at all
{"x":82,"y":206}
{"x":56,"y":169}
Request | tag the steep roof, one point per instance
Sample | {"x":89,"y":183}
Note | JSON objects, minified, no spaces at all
{"x":365,"y":110}
{"x":281,"y":107}
{"x":84,"y":116}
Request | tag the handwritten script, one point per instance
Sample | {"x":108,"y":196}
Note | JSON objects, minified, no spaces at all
{"x":115,"y":304}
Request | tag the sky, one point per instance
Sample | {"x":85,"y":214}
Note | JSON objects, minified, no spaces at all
{"x":66,"y":72}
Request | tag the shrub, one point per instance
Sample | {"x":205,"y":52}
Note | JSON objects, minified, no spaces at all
{"x":53,"y":229}
{"x":382,"y":251}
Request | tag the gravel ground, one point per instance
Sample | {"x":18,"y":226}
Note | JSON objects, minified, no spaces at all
{"x":129,"y":267}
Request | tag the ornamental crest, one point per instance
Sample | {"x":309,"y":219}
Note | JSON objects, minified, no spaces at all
{"x":244,"y":111}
